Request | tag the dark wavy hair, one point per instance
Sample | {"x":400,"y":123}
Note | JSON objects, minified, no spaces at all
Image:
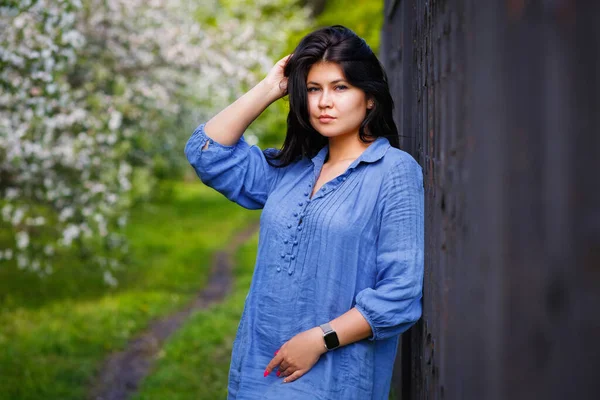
{"x":361,"y":68}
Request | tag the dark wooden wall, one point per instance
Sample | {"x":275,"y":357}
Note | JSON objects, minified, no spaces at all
{"x":499,"y":102}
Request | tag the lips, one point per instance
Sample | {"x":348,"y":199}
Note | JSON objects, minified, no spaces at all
{"x":326,"y":118}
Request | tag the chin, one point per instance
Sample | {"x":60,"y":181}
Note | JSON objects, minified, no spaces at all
{"x":329,"y":133}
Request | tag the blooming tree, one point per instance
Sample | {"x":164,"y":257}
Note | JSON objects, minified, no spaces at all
{"x":93,"y":93}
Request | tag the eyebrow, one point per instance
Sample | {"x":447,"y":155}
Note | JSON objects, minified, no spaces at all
{"x":332,"y":82}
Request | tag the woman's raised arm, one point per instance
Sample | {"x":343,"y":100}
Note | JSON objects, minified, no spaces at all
{"x":228,"y":125}
{"x":223,"y":159}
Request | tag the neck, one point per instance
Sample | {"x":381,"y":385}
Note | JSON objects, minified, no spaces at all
{"x":345,"y":147}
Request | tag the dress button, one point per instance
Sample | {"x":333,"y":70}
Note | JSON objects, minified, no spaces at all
{"x":295,"y":214}
{"x":299,"y":228}
{"x":290,"y":271}
{"x":295,"y":242}
{"x":289,"y":225}
{"x":285,"y":241}
{"x":278,"y":269}
{"x":344,"y":178}
{"x":300,"y":204}
{"x":282,"y":255}
{"x":306,"y":193}
{"x":293,"y":257}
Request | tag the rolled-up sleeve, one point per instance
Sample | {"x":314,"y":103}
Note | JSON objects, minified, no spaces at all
{"x":239,"y":172}
{"x":394,"y":304}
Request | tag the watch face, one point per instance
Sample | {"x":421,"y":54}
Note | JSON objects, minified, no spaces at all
{"x":331,"y":340}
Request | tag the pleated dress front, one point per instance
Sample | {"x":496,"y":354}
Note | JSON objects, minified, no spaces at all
{"x":358,"y":242}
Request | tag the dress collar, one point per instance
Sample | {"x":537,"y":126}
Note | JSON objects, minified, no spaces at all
{"x":374,"y":152}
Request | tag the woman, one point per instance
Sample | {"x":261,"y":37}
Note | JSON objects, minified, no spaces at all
{"x":339,"y":269}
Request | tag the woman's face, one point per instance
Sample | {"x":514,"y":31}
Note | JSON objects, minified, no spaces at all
{"x":329,"y":94}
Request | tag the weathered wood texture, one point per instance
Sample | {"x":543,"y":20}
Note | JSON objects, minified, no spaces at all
{"x":498,"y":101}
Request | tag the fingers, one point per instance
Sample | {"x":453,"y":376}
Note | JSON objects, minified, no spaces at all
{"x":294,"y":376}
{"x":282,"y":63}
{"x":273,"y":363}
{"x":285,"y":59}
{"x":283,"y":369}
{"x":283,"y":85}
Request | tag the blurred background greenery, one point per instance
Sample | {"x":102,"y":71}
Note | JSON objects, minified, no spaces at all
{"x":104,"y":225}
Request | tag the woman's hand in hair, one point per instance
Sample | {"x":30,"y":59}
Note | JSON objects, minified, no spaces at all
{"x":298,"y":355}
{"x":275,"y":79}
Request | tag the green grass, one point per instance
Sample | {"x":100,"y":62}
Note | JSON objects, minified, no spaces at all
{"x":195,"y":361}
{"x":55,"y":331}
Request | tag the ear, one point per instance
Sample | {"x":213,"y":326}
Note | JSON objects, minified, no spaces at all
{"x":370,"y":103}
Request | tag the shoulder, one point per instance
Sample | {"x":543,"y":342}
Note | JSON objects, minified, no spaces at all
{"x":402,"y":176}
{"x":401,"y":183}
{"x":397,"y":163}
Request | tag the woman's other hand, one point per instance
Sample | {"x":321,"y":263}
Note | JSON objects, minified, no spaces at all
{"x":298,"y":355}
{"x":275,"y":79}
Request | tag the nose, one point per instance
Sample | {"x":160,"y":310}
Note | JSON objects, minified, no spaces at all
{"x":325,"y":100}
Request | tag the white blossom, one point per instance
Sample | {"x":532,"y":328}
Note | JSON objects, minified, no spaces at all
{"x":109,"y":279}
{"x":115,"y":120}
{"x":70,"y":233}
{"x":22,"y":240}
{"x":7,"y":212}
{"x":70,"y":126}
{"x":22,"y":261}
{"x":11,"y":194}
{"x":18,"y":216}
{"x":66,"y":213}
{"x":48,"y":250}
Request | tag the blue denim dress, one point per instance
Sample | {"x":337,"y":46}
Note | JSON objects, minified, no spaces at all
{"x":358,"y":242}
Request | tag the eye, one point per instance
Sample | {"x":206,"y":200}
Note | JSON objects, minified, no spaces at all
{"x":341,"y":87}
{"x":312,"y":89}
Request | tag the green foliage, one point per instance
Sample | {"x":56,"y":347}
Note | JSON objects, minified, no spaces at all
{"x":365,"y":17}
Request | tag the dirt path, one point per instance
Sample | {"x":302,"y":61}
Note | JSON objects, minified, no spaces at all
{"x":123,"y":371}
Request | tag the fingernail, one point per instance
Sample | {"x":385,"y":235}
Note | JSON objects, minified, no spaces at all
{"x":276,"y":351}
{"x":266,"y":373}
{"x":278,"y":373}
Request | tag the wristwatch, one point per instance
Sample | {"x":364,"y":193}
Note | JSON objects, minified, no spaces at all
{"x":330,"y":337}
